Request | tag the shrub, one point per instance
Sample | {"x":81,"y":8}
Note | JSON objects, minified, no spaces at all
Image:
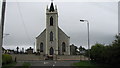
{"x":109,"y":54}
{"x":97,"y":52}
{"x":6,"y":58}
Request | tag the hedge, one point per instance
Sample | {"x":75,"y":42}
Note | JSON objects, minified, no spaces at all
{"x":6,"y":58}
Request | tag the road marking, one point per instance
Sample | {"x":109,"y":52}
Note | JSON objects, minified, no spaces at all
{"x":45,"y":62}
{"x":53,"y":65}
{"x":55,"y":61}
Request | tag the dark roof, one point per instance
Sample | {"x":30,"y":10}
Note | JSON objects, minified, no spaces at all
{"x":3,"y":48}
{"x":51,"y":7}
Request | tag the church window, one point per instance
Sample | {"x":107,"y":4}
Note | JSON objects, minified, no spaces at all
{"x":51,"y":36}
{"x":51,"y":21}
{"x":41,"y":47}
{"x":51,"y":51}
{"x":63,"y":47}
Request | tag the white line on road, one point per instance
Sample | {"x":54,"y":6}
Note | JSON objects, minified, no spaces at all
{"x":53,"y":65}
{"x":45,"y":62}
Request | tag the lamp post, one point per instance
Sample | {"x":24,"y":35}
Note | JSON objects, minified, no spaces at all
{"x":88,"y":38}
{"x":4,"y":35}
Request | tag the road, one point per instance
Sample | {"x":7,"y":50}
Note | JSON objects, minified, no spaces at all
{"x":51,"y":63}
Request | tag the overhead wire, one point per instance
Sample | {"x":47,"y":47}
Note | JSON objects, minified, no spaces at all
{"x":23,"y":22}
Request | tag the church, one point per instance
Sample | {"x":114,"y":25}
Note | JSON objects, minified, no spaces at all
{"x":52,"y":41}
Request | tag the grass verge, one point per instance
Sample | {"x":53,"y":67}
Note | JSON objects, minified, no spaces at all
{"x":88,"y":64}
{"x":26,"y":65}
{"x":84,"y":63}
{"x":9,"y":65}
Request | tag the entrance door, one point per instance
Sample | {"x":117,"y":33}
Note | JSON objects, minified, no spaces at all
{"x":51,"y":51}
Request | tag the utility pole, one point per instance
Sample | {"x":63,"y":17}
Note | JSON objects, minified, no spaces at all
{"x":2,"y":16}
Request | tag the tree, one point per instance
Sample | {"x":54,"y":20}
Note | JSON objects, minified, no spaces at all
{"x":117,"y":40}
{"x":81,"y":49}
{"x":17,"y":49}
{"x":97,"y":52}
{"x":109,"y":54}
{"x":115,"y":50}
{"x":76,"y":50}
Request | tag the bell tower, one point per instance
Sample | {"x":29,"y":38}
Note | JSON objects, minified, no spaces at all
{"x":51,"y":30}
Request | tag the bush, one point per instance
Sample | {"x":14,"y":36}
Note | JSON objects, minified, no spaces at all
{"x":106,"y":54}
{"x":6,"y":58}
{"x":97,"y":52}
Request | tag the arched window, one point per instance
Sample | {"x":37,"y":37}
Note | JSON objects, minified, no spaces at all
{"x":51,"y":36}
{"x":51,"y":21}
{"x":51,"y":51}
{"x":41,"y":47}
{"x":63,"y":47}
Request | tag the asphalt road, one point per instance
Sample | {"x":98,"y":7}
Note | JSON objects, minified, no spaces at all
{"x":51,"y":63}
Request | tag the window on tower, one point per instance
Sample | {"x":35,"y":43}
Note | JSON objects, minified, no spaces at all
{"x":41,"y":47}
{"x":51,"y":21}
{"x":63,"y":47}
{"x":51,"y":36}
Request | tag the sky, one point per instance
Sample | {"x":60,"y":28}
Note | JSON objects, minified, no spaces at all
{"x":119,"y":17}
{"x":26,"y":20}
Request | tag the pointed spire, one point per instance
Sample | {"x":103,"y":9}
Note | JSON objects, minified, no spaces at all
{"x":56,"y":7}
{"x":51,"y":7}
{"x":47,"y":7}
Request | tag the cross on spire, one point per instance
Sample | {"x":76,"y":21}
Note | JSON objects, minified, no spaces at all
{"x":51,"y":7}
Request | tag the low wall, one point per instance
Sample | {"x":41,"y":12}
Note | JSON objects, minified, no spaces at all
{"x":26,"y":57}
{"x":31,"y":57}
{"x":71,"y":57}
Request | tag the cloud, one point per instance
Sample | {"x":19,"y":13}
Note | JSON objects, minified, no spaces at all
{"x":103,"y":21}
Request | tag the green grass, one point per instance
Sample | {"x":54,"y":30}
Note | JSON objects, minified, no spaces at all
{"x":84,"y":63}
{"x":87,"y":64}
{"x":26,"y":65}
{"x":9,"y":65}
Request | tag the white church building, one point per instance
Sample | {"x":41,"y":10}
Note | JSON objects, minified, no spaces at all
{"x":52,"y":41}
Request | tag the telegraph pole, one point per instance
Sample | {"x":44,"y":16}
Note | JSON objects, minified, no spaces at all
{"x":3,"y":4}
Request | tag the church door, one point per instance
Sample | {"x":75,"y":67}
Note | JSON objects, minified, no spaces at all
{"x":51,"y":51}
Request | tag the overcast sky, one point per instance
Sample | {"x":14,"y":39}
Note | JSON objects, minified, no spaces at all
{"x":26,"y":20}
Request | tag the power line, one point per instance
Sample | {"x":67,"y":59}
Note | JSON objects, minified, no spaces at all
{"x":23,"y":22}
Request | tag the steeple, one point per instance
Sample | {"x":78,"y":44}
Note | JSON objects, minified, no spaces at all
{"x":51,"y":7}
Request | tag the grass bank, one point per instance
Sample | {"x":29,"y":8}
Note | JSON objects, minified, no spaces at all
{"x":88,"y":64}
{"x":9,"y":65}
{"x":26,"y":65}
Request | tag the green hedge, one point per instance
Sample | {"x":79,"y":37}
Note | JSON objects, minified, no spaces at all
{"x":106,"y":54}
{"x":6,"y":58}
